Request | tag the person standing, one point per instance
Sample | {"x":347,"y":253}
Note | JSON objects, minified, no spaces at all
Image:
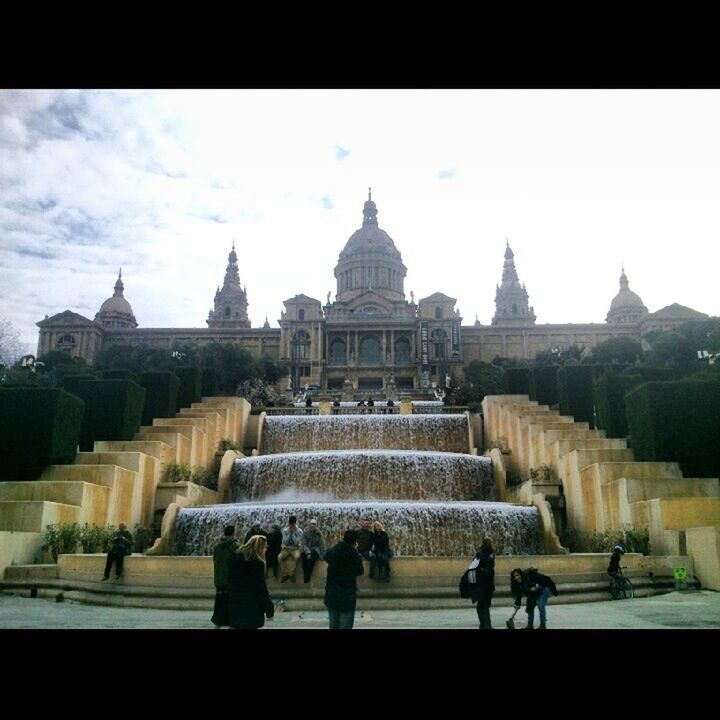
{"x":365,"y":539}
{"x":481,"y":576}
{"x":537,"y":588}
{"x":344,"y":566}
{"x":290,"y":549}
{"x":255,"y":529}
{"x":121,"y":546}
{"x":380,"y":553}
{"x":274,"y":543}
{"x":614,"y":567}
{"x":313,"y":550}
{"x":221,"y":555}
{"x":249,"y":602}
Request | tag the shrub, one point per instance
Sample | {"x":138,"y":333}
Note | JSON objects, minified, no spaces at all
{"x":38,"y":427}
{"x":119,"y":374}
{"x":143,"y":538}
{"x":575,"y":391}
{"x":543,"y":385}
{"x":190,"y":389}
{"x":206,"y":478}
{"x":113,"y":410}
{"x":677,"y":422}
{"x":178,"y":472}
{"x":61,"y":538}
{"x":92,"y":538}
{"x":161,"y":395}
{"x":209,"y":382}
{"x":517,"y":381}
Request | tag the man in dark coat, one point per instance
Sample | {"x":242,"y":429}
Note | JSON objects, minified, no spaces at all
{"x":221,"y":555}
{"x":274,"y":542}
{"x":255,"y":529}
{"x":344,"y":566}
{"x":121,"y":546}
{"x":365,"y":539}
{"x":482,"y":582}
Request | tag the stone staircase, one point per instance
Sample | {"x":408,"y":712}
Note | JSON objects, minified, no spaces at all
{"x":120,"y":481}
{"x":603,"y":486}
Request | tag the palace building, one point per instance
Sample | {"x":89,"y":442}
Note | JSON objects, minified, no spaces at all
{"x":371,"y":338}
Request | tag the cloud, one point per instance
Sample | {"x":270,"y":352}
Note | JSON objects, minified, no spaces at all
{"x":326,"y":202}
{"x":447,"y":174}
{"x":341,"y":153}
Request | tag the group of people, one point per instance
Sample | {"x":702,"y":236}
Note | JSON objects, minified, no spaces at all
{"x":369,"y":405}
{"x":240,"y":571}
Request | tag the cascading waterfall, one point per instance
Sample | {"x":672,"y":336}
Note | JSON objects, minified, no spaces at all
{"x":434,"y":529}
{"x":310,"y":433}
{"x":411,"y":472}
{"x":363,"y":475}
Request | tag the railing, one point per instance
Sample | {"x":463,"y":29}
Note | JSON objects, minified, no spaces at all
{"x":439,"y":409}
{"x":375,"y":410}
{"x":292,"y":410}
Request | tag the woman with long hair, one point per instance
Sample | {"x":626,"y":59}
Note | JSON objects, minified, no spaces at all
{"x":249,"y":602}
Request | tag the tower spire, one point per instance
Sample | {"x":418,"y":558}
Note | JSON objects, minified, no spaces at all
{"x":370,"y":210}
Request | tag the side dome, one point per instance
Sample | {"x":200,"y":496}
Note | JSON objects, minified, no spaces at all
{"x":116,"y":312}
{"x":626,"y":308}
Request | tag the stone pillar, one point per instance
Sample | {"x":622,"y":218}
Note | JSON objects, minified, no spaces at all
{"x":325,"y":406}
{"x":392,"y":347}
{"x":405,"y":406}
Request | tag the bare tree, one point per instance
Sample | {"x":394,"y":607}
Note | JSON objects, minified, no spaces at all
{"x":11,"y":347}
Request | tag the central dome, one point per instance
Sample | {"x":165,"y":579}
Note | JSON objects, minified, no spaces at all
{"x":370,"y":261}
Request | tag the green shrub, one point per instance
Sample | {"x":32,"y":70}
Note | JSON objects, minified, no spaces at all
{"x":575,"y":391}
{"x":61,"y":538}
{"x":92,"y":538}
{"x":119,"y":374}
{"x":210,"y":382}
{"x":38,"y":427}
{"x":178,"y":472}
{"x":543,"y":385}
{"x":517,"y":381}
{"x":190,"y":389}
{"x":677,"y":422}
{"x":632,"y":539}
{"x":143,"y":538}
{"x":113,"y":410}
{"x":161,"y":393}
{"x":204,"y":477}
{"x":227,"y":444}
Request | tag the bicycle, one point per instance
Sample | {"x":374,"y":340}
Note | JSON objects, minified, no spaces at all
{"x":621,"y":588}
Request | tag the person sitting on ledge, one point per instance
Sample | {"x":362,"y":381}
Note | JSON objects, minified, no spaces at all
{"x":122,"y":543}
{"x":292,"y":542}
{"x":381,"y":554}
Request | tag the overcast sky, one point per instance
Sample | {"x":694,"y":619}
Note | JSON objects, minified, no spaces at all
{"x":161,"y":182}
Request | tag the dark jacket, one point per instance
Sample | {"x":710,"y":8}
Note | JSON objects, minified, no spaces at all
{"x":248,"y":598}
{"x":532,"y":585}
{"x":381,"y":542}
{"x":252,"y":532}
{"x":365,"y":538}
{"x":221,"y":555}
{"x":344,"y":565}
{"x":122,"y":543}
{"x":481,"y":591}
{"x":614,"y":565}
{"x":274,"y":541}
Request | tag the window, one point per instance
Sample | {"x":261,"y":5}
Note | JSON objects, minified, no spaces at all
{"x":300,"y":345}
{"x":66,"y":343}
{"x":370,"y":350}
{"x":514,"y":309}
{"x":438,"y":313}
{"x":227,"y":312}
{"x":301,"y":314}
{"x":439,"y":340}
{"x":402,"y":350}
{"x":338,"y":355}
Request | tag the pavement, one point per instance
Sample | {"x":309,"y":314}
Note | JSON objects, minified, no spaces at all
{"x":690,"y":609}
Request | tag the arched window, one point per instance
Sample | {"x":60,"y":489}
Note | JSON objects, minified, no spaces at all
{"x":438,"y":313}
{"x":338,"y":355}
{"x":66,"y":343}
{"x":402,"y":350}
{"x":301,"y":314}
{"x":300,"y":345}
{"x":370,"y":350}
{"x":227,"y":312}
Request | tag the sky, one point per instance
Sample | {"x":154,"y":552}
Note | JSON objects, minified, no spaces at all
{"x":160,"y":183}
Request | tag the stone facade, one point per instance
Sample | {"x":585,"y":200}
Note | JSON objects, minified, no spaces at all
{"x":371,"y":338}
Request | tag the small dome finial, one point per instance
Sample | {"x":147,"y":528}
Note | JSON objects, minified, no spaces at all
{"x":369,"y":193}
{"x":120,"y":274}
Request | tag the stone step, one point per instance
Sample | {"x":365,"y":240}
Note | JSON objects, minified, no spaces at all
{"x":159,"y":450}
{"x":123,"y":503}
{"x":45,"y":571}
{"x":90,"y":498}
{"x":180,"y":445}
{"x":35,"y":515}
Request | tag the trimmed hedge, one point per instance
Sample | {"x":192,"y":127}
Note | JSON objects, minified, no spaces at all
{"x":543,"y":385}
{"x":119,"y":375}
{"x":161,"y":392}
{"x":575,"y":391}
{"x":190,"y":386}
{"x":609,"y":392}
{"x":70,"y":383}
{"x":113,"y":410}
{"x":38,"y":427}
{"x":209,"y":382}
{"x":677,"y":422}
{"x":517,"y":381}
{"x":65,"y":370}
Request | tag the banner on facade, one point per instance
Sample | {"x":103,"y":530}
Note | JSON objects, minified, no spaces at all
{"x":456,"y":337}
{"x":424,"y":347}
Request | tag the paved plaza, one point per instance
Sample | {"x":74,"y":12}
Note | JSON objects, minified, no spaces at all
{"x":677,"y":610}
